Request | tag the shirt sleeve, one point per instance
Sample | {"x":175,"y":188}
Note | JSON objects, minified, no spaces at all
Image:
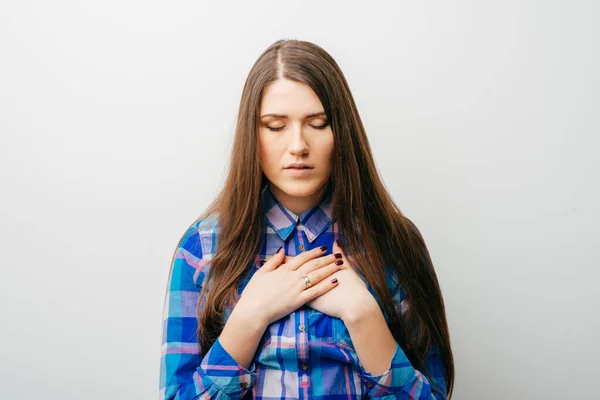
{"x":401,"y":380}
{"x":184,"y":375}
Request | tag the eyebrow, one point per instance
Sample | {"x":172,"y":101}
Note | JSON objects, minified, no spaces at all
{"x":285,"y":116}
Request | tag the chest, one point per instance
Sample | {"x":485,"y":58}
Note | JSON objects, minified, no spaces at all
{"x":303,"y":336}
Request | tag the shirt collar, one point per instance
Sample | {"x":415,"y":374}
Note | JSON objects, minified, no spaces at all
{"x":315,"y":220}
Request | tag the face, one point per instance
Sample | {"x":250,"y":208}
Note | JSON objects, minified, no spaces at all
{"x":293,"y":128}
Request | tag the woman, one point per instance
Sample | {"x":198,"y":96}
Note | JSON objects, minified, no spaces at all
{"x":303,"y":279}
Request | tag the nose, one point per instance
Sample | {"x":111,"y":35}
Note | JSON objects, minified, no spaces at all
{"x":298,"y":145}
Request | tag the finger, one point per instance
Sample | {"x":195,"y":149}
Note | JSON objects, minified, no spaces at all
{"x":336,"y":248}
{"x":348,"y":262}
{"x":321,"y":273}
{"x":320,"y":262}
{"x":274,"y":261}
{"x":306,"y":256}
{"x":320,"y":288}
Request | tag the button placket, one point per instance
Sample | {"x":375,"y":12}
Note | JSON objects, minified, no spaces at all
{"x":300,"y":227}
{"x":302,"y":342}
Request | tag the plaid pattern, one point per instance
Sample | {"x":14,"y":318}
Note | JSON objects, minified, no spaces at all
{"x":306,"y":355}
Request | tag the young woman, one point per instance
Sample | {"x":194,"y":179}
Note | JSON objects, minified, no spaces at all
{"x":303,"y":279}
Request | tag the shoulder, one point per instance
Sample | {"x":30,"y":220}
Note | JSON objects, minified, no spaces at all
{"x":197,"y":246}
{"x":199,"y":236}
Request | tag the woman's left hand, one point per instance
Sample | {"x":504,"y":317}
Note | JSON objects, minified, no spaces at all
{"x":351,"y":295}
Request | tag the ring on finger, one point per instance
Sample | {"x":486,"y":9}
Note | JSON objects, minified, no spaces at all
{"x":306,"y":281}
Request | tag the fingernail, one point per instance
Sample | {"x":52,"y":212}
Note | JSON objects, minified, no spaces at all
{"x":263,"y":262}
{"x":339,"y":262}
{"x":323,"y":248}
{"x":334,"y":280}
{"x":279,"y":249}
{"x":338,"y":255}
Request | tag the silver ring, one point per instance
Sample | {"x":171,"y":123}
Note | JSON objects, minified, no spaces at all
{"x":306,"y":281}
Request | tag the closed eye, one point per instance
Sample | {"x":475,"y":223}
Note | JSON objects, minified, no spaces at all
{"x":312,"y":126}
{"x":321,"y":126}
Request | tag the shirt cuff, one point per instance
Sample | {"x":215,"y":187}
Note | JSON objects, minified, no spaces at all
{"x":398,"y":374}
{"x":225,"y":372}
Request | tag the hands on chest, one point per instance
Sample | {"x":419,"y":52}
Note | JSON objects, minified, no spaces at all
{"x":280,"y":286}
{"x":348,"y":297}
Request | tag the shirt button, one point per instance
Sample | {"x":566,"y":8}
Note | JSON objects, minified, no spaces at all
{"x":302,"y":328}
{"x":369,"y":385}
{"x":301,"y":247}
{"x":304,"y":367}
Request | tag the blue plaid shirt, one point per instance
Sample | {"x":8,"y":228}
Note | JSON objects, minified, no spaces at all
{"x":306,"y":355}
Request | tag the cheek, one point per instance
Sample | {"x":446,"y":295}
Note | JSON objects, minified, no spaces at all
{"x":262,"y":151}
{"x":327,"y":149}
{"x":266,"y":155}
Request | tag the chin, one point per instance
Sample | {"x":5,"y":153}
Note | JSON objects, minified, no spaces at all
{"x":299,"y":188}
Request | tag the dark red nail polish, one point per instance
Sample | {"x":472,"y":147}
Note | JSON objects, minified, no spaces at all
{"x":339,"y":262}
{"x":279,"y":249}
{"x":323,"y":248}
{"x":334,"y":280}
{"x":338,"y":255}
{"x":263,"y":262}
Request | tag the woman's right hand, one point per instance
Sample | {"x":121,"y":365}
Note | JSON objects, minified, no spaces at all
{"x":278,"y":287}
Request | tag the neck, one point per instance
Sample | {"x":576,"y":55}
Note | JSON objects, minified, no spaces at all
{"x":298,"y":204}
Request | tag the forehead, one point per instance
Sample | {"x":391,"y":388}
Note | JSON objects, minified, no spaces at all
{"x":288,"y":97}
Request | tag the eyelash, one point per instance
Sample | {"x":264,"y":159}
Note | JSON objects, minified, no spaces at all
{"x":281,"y":127}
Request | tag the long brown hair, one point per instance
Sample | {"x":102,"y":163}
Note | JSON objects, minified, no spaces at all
{"x":372,"y":227}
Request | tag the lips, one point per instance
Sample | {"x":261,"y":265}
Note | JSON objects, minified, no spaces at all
{"x":302,"y":171}
{"x":298,"y":166}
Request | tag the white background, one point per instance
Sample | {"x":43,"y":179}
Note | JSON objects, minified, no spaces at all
{"x":116,"y":122}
